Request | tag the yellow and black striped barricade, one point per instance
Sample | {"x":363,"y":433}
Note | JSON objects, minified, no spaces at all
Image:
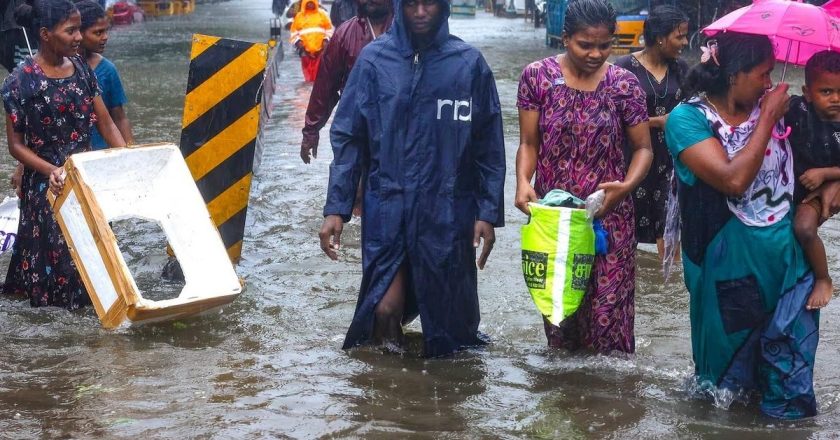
{"x":220,"y":125}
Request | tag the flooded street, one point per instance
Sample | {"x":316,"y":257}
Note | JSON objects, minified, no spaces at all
{"x":270,"y":364}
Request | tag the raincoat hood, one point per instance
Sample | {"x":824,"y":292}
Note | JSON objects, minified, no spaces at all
{"x":307,"y":11}
{"x":402,"y":34}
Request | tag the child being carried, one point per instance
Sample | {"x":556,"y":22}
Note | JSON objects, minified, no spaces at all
{"x":815,"y":141}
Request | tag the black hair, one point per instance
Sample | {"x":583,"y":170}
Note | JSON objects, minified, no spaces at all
{"x":582,"y":14}
{"x":35,"y":14}
{"x":91,"y":12}
{"x":736,"y":53}
{"x":661,"y":21}
{"x":826,"y":61}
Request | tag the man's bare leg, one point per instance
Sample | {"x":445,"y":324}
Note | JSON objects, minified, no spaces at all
{"x":387,"y":327}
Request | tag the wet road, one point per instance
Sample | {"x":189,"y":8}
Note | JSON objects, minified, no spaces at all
{"x":270,"y":365}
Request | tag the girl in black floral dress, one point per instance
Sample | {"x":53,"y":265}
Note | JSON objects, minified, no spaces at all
{"x":660,"y":72}
{"x":52,"y":101}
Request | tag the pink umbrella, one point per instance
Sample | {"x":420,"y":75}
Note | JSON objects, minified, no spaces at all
{"x":798,"y":30}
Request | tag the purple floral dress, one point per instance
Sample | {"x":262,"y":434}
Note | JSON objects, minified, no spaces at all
{"x":55,"y":116}
{"x":582,"y":142}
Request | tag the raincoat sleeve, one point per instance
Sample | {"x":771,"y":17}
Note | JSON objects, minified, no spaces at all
{"x":325,"y":92}
{"x":349,"y":138}
{"x":489,"y":143}
{"x":297,"y":26}
{"x":294,"y":30}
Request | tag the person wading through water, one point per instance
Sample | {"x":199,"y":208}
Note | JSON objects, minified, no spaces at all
{"x":375,"y":17}
{"x":52,"y":101}
{"x":420,"y":122}
{"x":311,"y":31}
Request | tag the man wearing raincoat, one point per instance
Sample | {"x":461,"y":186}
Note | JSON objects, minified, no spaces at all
{"x":311,"y":29}
{"x":375,"y":17}
{"x":420,"y":115}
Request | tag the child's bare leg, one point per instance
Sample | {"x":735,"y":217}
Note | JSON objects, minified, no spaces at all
{"x":805,"y":226}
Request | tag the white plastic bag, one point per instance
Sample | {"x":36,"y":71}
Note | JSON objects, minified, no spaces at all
{"x":9,"y":218}
{"x":594,"y":202}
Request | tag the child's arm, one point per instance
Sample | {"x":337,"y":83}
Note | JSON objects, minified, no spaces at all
{"x":815,"y":177}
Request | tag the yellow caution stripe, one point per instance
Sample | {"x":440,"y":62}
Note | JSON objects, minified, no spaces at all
{"x":231,"y":139}
{"x":220,"y":124}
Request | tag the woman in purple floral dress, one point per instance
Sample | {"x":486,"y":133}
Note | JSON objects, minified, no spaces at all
{"x":575,"y":112}
{"x":51,"y":101}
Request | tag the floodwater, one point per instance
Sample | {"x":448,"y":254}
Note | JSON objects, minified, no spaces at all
{"x":270,"y":365}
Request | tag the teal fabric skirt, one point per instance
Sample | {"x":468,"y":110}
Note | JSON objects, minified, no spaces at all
{"x":749,"y":327}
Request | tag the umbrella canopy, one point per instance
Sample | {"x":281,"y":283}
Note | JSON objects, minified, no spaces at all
{"x":798,"y":30}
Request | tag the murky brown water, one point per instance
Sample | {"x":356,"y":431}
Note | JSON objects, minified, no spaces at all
{"x":270,"y":365}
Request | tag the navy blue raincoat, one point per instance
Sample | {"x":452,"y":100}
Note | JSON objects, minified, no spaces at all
{"x":425,"y":128}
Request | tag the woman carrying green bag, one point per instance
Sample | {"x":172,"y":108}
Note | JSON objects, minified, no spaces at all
{"x":575,"y":112}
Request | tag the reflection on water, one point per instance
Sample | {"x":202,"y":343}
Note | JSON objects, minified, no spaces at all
{"x":403,"y":394}
{"x":270,"y":364}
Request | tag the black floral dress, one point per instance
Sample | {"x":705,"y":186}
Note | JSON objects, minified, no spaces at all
{"x":55,"y":116}
{"x":651,"y":196}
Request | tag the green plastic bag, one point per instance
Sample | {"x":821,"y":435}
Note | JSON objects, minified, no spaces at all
{"x":558,"y":249}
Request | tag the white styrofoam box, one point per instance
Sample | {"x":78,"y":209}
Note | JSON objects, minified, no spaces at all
{"x":151,"y":183}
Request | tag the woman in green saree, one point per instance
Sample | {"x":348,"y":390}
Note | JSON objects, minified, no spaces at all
{"x":746,"y":274}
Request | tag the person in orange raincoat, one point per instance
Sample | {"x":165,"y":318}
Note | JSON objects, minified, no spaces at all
{"x":311,"y":29}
